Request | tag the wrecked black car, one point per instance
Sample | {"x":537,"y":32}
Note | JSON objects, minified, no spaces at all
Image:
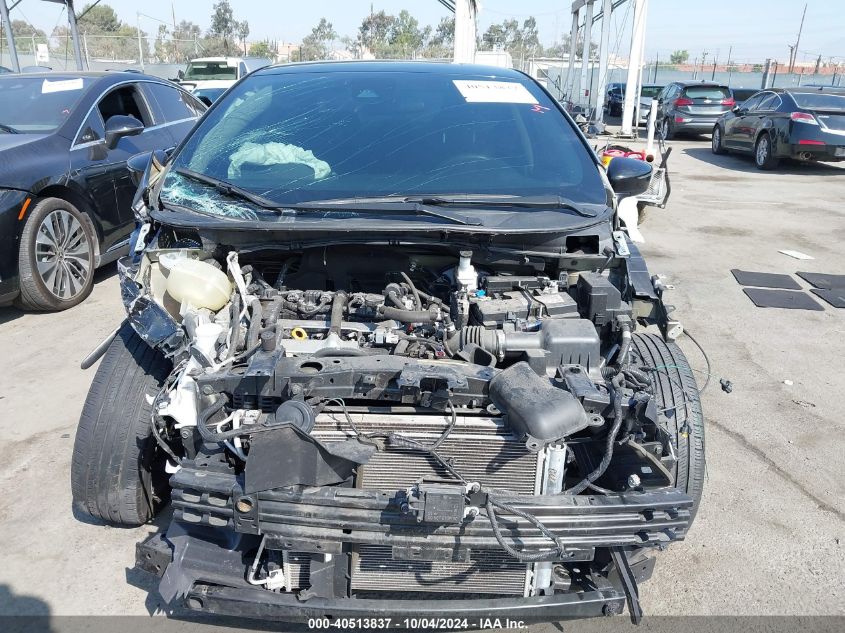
{"x":387,"y":354}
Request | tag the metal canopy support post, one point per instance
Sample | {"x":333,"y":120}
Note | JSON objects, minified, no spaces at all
{"x":74,"y":33}
{"x":569,"y":83}
{"x":634,"y":65}
{"x":584,"y":87}
{"x":466,"y":14}
{"x":7,"y":24}
{"x":598,"y":94}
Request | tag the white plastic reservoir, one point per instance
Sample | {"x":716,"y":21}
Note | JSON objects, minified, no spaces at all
{"x":199,"y":284}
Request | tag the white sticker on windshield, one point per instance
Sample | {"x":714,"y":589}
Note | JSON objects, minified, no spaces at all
{"x":493,"y":91}
{"x":61,"y":86}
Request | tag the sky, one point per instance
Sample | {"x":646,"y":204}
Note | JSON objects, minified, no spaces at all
{"x":756,"y":29}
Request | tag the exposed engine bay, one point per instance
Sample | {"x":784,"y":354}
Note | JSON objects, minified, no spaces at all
{"x":343,"y":422}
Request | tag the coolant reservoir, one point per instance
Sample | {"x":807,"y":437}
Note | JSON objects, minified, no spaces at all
{"x":199,"y":284}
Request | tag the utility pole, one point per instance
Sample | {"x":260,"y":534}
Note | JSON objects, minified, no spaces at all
{"x":715,"y":63}
{"x":797,"y":41}
{"x":703,"y":61}
{"x":730,"y":68}
{"x":818,"y":64}
{"x":140,"y":49}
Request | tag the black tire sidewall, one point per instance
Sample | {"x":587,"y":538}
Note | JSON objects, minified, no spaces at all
{"x":717,"y":147}
{"x":34,"y":293}
{"x":770,"y":162}
{"x":690,"y":468}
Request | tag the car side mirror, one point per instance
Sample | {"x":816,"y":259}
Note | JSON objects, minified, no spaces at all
{"x":206,"y":100}
{"x":629,"y":176}
{"x":181,"y":75}
{"x":737,"y":109}
{"x":141,"y":165}
{"x":119,"y":126}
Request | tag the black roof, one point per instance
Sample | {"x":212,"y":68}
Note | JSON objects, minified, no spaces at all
{"x":436,"y":68}
{"x":833,"y":90}
{"x":115,"y":75}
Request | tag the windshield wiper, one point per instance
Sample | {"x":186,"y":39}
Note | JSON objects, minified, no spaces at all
{"x":226,"y":188}
{"x":8,"y":128}
{"x":522,"y":202}
{"x":384,"y":205}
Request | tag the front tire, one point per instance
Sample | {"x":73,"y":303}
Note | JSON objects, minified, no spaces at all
{"x":716,"y":141}
{"x":666,"y":131}
{"x":677,"y":395}
{"x":764,"y":156}
{"x":56,"y":257}
{"x":117,"y":472}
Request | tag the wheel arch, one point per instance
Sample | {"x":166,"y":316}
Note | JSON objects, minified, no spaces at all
{"x":63,"y":192}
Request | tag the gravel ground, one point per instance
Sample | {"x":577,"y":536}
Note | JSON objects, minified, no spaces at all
{"x":769,"y":536}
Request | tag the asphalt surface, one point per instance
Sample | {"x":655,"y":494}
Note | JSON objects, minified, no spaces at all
{"x":770,"y":535}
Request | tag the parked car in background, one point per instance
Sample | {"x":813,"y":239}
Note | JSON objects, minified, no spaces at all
{"x":65,"y":190}
{"x":648,"y":93}
{"x":742,"y":94}
{"x":614,"y":97}
{"x":802,"y":123}
{"x":207,"y":73}
{"x":692,"y":107}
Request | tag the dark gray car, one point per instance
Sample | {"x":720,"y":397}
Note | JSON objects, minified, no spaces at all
{"x":692,"y":107}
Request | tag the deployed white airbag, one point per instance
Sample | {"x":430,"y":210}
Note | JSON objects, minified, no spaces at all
{"x":276,"y":154}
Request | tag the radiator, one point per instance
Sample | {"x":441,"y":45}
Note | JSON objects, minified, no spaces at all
{"x":481,"y":449}
{"x":488,"y":573}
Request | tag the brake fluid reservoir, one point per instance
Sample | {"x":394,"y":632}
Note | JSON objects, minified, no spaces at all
{"x":199,"y":284}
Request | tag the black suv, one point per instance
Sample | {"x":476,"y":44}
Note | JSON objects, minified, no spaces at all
{"x":386,"y":355}
{"x":692,"y":107}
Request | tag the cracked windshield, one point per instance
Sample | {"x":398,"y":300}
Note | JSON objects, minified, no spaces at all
{"x":295,"y":137}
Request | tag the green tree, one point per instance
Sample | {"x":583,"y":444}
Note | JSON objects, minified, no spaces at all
{"x":262,"y":49}
{"x":26,"y":36}
{"x":374,"y":33}
{"x":106,"y":36}
{"x":521,"y":41}
{"x":679,"y":57}
{"x":405,"y":36}
{"x":316,"y":45}
{"x":100,"y":18}
{"x":242,"y":30}
{"x":442,"y":42}
{"x":223,"y":27}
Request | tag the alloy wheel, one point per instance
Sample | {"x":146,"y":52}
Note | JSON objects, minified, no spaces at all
{"x":63,"y":254}
{"x":717,"y":139}
{"x":762,"y":150}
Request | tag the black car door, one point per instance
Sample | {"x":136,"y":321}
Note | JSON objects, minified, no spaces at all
{"x":763,"y":114}
{"x":88,"y":161}
{"x":739,"y":128}
{"x":128,"y":100}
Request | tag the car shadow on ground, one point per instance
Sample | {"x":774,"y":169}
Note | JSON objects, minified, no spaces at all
{"x":745,"y":163}
{"x":11,"y":313}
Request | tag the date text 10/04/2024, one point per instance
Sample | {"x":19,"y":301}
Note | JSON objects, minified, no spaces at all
{"x":415,"y":623}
